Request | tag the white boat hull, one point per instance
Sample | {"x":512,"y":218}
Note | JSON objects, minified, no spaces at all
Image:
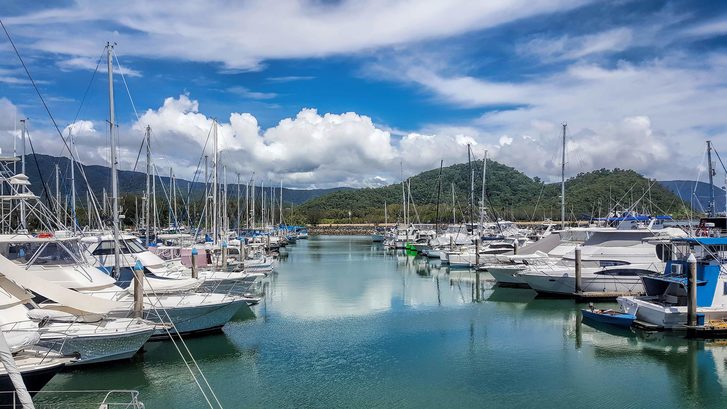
{"x":507,"y":276}
{"x":565,"y":284}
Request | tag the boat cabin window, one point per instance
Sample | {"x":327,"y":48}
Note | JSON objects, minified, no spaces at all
{"x":50,"y":253}
{"x":129,"y":246}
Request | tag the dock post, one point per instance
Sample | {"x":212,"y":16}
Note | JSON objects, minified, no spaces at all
{"x":477,"y":252}
{"x":515,"y":248}
{"x":138,"y":290}
{"x":692,"y":291}
{"x":578,"y":288}
{"x":194,"y":262}
{"x":240,"y":256}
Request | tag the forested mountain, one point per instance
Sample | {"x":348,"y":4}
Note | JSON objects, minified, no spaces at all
{"x":510,"y":194}
{"x":130,"y":183}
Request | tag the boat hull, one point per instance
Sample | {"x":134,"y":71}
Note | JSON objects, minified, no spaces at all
{"x":617,"y":319}
{"x":101,"y":348}
{"x":565,"y":284}
{"x":196,"y":319}
{"x":507,"y":276}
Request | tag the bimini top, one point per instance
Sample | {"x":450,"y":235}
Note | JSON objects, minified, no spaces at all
{"x":702,"y":241}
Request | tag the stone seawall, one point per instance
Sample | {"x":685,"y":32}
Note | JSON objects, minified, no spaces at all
{"x":342,"y":229}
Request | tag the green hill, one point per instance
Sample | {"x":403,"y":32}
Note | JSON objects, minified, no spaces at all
{"x":510,"y":195}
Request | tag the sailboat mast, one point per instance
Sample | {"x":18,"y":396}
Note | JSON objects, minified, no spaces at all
{"x":114,"y":176}
{"x":23,"y":131}
{"x":214,"y":185}
{"x":73,"y":182}
{"x":58,"y":193}
{"x":171,"y":187}
{"x":484,"y":188}
{"x":238,"y":204}
{"x":403,"y":194}
{"x":174,"y":198}
{"x":206,"y":194}
{"x":454,"y":208}
{"x":711,"y":181}
{"x":439,"y":194}
{"x":147,"y":202}
{"x":281,"y":202}
{"x":472,"y":186}
{"x":562,"y":182}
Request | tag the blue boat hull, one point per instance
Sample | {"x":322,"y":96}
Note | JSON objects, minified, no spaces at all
{"x":618,"y":319}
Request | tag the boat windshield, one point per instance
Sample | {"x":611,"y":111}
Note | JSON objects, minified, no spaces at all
{"x":128,"y":246}
{"x":42,"y":252}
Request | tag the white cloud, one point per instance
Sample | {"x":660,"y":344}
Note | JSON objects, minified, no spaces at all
{"x":241,"y":35}
{"x":90,"y":64}
{"x":246,"y":93}
{"x":575,"y":47}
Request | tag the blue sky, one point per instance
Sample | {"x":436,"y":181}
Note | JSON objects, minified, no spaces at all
{"x":320,"y":94}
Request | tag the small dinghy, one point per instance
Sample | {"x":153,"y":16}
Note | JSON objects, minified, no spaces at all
{"x":612,"y":317}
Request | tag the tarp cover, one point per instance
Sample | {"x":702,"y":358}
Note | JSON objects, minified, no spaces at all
{"x":54,"y":292}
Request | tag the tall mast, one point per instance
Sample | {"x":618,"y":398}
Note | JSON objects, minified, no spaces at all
{"x":562,"y":182}
{"x":147,"y":202}
{"x":439,"y":194}
{"x":454,"y":208}
{"x":23,"y":131}
{"x":403,"y":194}
{"x":472,"y":185}
{"x":206,"y":195}
{"x":171,"y":187}
{"x":281,"y":202}
{"x":114,"y":176}
{"x":73,"y":182}
{"x":215,"y":181}
{"x":174,"y":199}
{"x":88,"y":206}
{"x":252,"y":202}
{"x":247,"y":204}
{"x":711,"y":181}
{"x":484,"y":188}
{"x":154,"y":199}
{"x":223,"y":203}
{"x":237,"y":227}
{"x":58,"y":193}
{"x":262,"y":204}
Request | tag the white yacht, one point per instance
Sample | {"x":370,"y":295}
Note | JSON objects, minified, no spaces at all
{"x":59,"y":260}
{"x":69,"y":322}
{"x":665,"y":302}
{"x":162,"y":275}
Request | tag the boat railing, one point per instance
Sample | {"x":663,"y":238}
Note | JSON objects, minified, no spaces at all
{"x":81,"y":399}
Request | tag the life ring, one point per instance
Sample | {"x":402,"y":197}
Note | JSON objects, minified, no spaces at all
{"x":45,"y":235}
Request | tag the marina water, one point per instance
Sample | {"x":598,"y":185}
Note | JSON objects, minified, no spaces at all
{"x":347,"y":324}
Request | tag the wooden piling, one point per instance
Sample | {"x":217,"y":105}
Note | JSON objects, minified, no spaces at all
{"x":138,"y":290}
{"x":194,"y":262}
{"x":692,"y":292}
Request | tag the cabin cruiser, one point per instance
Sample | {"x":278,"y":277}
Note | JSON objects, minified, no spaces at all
{"x":162,"y":275}
{"x":68,"y":326}
{"x":60,"y":261}
{"x":603,"y":247}
{"x":665,"y":302}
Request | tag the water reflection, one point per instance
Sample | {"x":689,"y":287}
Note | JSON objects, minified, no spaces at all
{"x":334,"y":277}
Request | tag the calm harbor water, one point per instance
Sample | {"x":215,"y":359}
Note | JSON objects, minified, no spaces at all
{"x":347,"y":325}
